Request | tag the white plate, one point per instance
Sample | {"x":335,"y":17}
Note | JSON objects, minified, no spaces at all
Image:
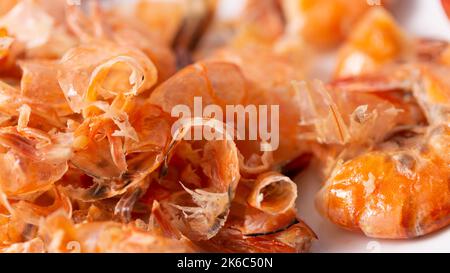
{"x":424,"y":18}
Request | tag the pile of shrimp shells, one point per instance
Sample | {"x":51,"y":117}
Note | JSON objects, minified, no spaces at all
{"x":89,"y":161}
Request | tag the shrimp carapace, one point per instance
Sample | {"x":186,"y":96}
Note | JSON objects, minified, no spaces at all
{"x":400,"y":189}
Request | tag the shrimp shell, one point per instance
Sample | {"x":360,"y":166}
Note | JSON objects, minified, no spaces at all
{"x":399,"y":190}
{"x":134,"y":73}
{"x":294,"y":239}
{"x":61,"y":235}
{"x":204,"y":220}
{"x":273,"y":193}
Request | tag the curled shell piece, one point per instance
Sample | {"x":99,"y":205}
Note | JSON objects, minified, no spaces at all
{"x":273,"y":193}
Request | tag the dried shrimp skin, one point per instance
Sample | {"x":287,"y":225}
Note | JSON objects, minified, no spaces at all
{"x":39,"y":83}
{"x":251,"y":220}
{"x":446,"y":6}
{"x":324,"y":23}
{"x":41,"y":23}
{"x":294,"y":239}
{"x":376,"y":40}
{"x":273,"y":193}
{"x":21,"y":222}
{"x":5,"y":43}
{"x":356,"y":111}
{"x":202,"y":80}
{"x":104,"y":70}
{"x":105,"y":237}
{"x":100,"y":94}
{"x":392,"y":189}
{"x":201,"y":213}
{"x":28,"y":168}
{"x":399,"y":190}
{"x":33,"y":246}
